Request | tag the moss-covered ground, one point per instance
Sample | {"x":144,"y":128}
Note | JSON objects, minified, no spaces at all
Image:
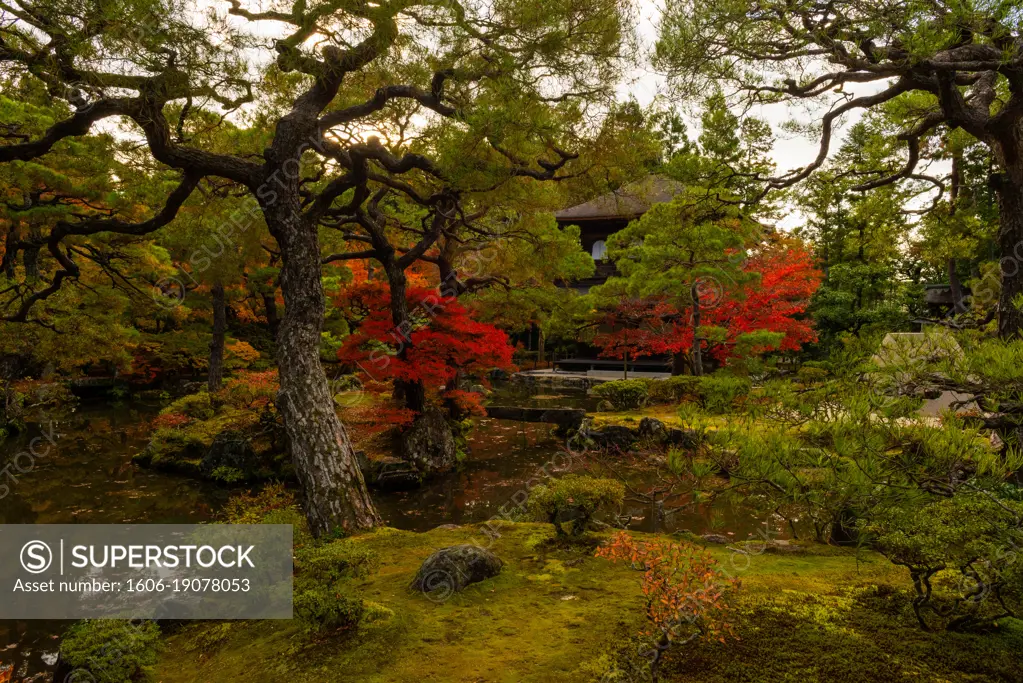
{"x":557,"y":614}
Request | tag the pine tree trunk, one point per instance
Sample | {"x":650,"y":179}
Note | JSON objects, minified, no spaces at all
{"x":216,"y":374}
{"x":10,"y":252}
{"x":335,"y":494}
{"x":272,"y":319}
{"x":413,"y":393}
{"x":31,"y":262}
{"x":958,"y":306}
{"x":1009,"y":187}
{"x":697,"y":353}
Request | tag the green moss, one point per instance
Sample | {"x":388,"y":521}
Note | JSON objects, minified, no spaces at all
{"x":841,"y":617}
{"x":181,"y":448}
{"x":110,"y":651}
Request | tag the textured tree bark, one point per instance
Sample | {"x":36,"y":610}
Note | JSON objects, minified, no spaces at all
{"x":1009,"y":187}
{"x":679,"y":363}
{"x":31,"y":261}
{"x":958,"y":303}
{"x":335,"y":494}
{"x":10,"y":265}
{"x":216,"y":375}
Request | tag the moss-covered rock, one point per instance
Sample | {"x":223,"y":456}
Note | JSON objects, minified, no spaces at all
{"x":451,"y":570}
{"x":203,"y":437}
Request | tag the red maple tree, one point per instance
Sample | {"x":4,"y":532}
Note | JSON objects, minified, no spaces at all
{"x":442,"y":341}
{"x":775,"y":301}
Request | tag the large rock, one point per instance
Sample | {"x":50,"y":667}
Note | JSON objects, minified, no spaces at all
{"x":429,"y":444}
{"x":450,"y":570}
{"x":389,"y":474}
{"x":652,"y":428}
{"x":689,"y":439}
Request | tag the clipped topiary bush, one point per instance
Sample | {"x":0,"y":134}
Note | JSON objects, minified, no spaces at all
{"x":109,"y":651}
{"x":325,"y":599}
{"x":622,"y":394}
{"x":198,"y":406}
{"x":673,"y":389}
{"x":332,"y":562}
{"x":324,"y":609}
{"x":575,"y":499}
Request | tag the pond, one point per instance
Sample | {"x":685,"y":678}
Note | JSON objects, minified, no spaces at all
{"x":86,"y":476}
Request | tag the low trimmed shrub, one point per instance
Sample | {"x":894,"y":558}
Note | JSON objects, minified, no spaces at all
{"x":325,"y":598}
{"x":575,"y":499}
{"x":673,"y":389}
{"x":110,"y":650}
{"x":323,"y":609}
{"x":622,"y":394}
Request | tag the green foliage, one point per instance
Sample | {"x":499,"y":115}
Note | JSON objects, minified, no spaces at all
{"x":111,"y":651}
{"x":325,"y":600}
{"x":574,"y":498}
{"x":198,"y":406}
{"x":673,"y":389}
{"x":268,"y":506}
{"x":622,"y":394}
{"x":321,"y":609}
{"x":843,"y":451}
{"x":721,"y":391}
{"x":330,"y":562}
{"x":962,"y":554}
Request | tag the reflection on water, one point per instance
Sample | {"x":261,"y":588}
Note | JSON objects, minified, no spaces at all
{"x":87,"y":477}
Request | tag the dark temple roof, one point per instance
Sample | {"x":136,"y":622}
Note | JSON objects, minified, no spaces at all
{"x":629,"y":201}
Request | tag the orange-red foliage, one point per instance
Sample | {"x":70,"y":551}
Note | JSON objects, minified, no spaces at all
{"x":441,"y":340}
{"x":775,"y":302}
{"x":171,"y":420}
{"x":686,"y":592}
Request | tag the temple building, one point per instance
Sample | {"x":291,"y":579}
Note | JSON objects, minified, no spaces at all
{"x":600,"y":218}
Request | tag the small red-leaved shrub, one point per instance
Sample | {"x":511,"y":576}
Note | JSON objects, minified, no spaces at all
{"x":687,"y":594}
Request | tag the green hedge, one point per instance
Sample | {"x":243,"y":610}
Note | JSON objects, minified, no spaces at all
{"x":622,"y":394}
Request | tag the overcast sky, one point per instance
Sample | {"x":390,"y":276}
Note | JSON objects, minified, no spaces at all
{"x":790,"y":151}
